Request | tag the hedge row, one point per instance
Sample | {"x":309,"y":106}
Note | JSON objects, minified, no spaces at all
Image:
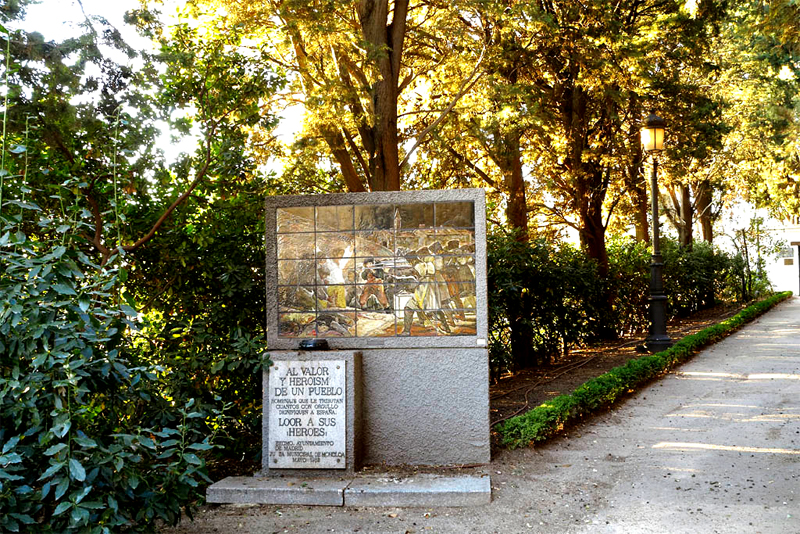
{"x":602,"y":391}
{"x":546,"y":297}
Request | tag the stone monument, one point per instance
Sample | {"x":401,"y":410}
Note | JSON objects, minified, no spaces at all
{"x":395,"y":284}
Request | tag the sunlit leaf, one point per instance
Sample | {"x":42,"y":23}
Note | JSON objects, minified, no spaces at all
{"x":63,"y":289}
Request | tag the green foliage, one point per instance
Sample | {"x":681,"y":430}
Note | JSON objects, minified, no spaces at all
{"x":90,"y":442}
{"x":545,"y":298}
{"x":204,"y":320}
{"x":629,"y":276}
{"x":541,"y":300}
{"x":694,"y":278}
{"x":186,"y":237}
{"x":747,"y":274}
{"x":548,"y":419}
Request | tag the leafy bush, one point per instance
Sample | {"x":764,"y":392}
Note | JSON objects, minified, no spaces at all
{"x":629,"y":278}
{"x":546,"y":297}
{"x":205,"y":320}
{"x":88,"y":440}
{"x":542,"y":299}
{"x":602,"y":391}
{"x":693,"y":278}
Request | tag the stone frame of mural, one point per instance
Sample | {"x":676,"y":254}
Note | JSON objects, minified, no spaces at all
{"x":435,"y":274}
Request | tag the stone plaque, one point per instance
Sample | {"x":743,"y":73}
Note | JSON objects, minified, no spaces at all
{"x":307,"y":414}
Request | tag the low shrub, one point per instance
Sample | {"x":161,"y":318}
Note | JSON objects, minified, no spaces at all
{"x":88,"y":440}
{"x":694,"y":278}
{"x":628,"y":281}
{"x":602,"y":391}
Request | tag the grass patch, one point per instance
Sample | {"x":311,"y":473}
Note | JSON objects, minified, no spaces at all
{"x":601,"y":392}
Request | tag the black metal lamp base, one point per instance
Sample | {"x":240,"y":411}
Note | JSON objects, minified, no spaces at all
{"x":657,"y":344}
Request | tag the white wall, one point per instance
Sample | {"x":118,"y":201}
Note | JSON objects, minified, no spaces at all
{"x":786,"y":277}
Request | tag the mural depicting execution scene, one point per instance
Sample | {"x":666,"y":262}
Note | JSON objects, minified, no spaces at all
{"x":377,"y":270}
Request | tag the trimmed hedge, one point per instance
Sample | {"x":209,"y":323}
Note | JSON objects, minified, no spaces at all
{"x":602,"y":391}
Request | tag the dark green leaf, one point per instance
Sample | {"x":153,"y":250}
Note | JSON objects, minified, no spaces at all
{"x":53,"y":469}
{"x":62,"y":429}
{"x":192,"y":459}
{"x":45,"y":490}
{"x":76,"y":470}
{"x":40,"y":359}
{"x":62,"y":507}
{"x":10,"y":524}
{"x":23,"y":518}
{"x":63,"y":289}
{"x":55,"y":449}
{"x":85,"y":442}
{"x":62,"y":487}
{"x":10,"y":444}
{"x":12,"y":458}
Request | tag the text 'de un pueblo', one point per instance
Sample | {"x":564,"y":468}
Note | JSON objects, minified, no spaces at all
{"x":307,"y":414}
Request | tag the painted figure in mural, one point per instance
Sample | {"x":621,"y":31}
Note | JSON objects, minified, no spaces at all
{"x":450,"y":272}
{"x":332,"y":275}
{"x":442,"y":290}
{"x":426,"y":300}
{"x":340,"y":323}
{"x":466,"y":275}
{"x":374,"y":276}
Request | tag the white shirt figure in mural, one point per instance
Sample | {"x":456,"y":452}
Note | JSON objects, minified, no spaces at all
{"x":335,"y":277}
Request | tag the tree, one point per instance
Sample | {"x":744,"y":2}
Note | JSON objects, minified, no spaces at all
{"x":104,"y":148}
{"x":482,"y":140}
{"x":84,"y":134}
{"x":767,"y":78}
{"x":588,"y":63}
{"x":352,"y":62}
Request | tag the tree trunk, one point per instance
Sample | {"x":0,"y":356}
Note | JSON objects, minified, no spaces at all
{"x":590,"y":187}
{"x":385,"y":41}
{"x":635,"y":184}
{"x":642,"y":221}
{"x":680,"y":216}
{"x":521,"y":339}
{"x":593,"y":233}
{"x":336,"y":143}
{"x":704,"y":212}
{"x":686,"y":218}
{"x":510,"y":161}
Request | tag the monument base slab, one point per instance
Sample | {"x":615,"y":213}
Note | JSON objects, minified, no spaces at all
{"x":420,"y":490}
{"x":278,"y":490}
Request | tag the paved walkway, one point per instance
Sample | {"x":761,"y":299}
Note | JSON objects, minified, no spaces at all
{"x":713,"y":447}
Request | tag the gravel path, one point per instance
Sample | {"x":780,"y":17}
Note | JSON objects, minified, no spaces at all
{"x":712,"y":447}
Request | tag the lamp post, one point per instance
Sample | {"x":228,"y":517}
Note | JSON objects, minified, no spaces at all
{"x":657,"y":339}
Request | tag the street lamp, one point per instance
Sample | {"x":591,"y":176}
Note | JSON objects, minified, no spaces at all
{"x":657,"y":340}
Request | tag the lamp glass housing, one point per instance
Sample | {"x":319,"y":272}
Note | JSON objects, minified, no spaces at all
{"x":653,"y":139}
{"x":653,"y":133}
